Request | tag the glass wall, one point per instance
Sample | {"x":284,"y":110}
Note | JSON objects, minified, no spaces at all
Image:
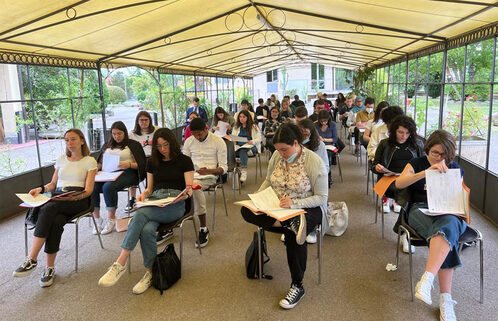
{"x":459,"y":96}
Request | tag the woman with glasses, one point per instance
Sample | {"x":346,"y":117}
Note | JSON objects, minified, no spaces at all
{"x":169,"y":172}
{"x":142,"y":132}
{"x":441,"y":232}
{"x":131,"y":162}
{"x":327,"y":130}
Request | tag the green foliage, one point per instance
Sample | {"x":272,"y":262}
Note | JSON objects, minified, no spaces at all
{"x":284,"y":80}
{"x":360,"y":78}
{"x":434,"y":89}
{"x":474,"y":122}
{"x":11,"y":164}
{"x":146,"y":90}
{"x":116,"y":94}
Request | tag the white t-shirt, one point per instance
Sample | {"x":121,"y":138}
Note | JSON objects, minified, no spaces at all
{"x":145,"y":140}
{"x":125,"y":154}
{"x":73,"y":173}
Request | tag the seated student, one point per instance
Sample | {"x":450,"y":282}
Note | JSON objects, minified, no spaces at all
{"x":245,"y":127}
{"x":262,"y":113}
{"x":327,"y":130}
{"x":318,"y":106}
{"x":271,"y":126}
{"x":221,"y":115}
{"x":380,"y":132}
{"x":244,"y":105}
{"x":339,"y":102}
{"x":301,"y":113}
{"x":201,"y":112}
{"x":376,"y":121}
{"x":73,"y":169}
{"x":296,"y":103}
{"x":346,"y":109}
{"x":209,"y":155}
{"x":442,"y":232}
{"x":299,"y":178}
{"x":168,"y":173}
{"x":131,"y":159}
{"x":285,"y":111}
{"x":270,"y":103}
{"x":362,"y":118}
{"x":142,"y":133}
{"x":188,"y":132}
{"x":274,"y":100}
{"x":328,"y":104}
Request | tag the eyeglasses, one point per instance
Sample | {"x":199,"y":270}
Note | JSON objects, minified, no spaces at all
{"x":437,"y":154}
{"x":143,"y":119}
{"x":164,"y":145}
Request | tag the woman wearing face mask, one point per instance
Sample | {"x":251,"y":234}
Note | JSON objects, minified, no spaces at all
{"x":393,"y":154}
{"x":376,"y":121}
{"x":246,"y":128}
{"x":442,"y":232}
{"x":131,"y":162}
{"x":221,"y":115}
{"x":299,"y":178}
{"x":271,"y":126}
{"x":327,"y":130}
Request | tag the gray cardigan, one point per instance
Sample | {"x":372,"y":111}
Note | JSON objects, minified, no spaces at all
{"x":315,"y":168}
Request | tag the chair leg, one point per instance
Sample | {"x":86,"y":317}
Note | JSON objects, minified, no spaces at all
{"x":319,"y":250}
{"x":260,"y":263}
{"x":25,"y":240}
{"x":214,"y":208}
{"x":368,"y":181}
{"x":481,"y":271}
{"x":196,"y":234}
{"x":397,"y":246}
{"x":411,"y":263}
{"x":233,"y":184}
{"x":181,"y":247}
{"x":98,"y":232}
{"x":224,"y":199}
{"x":382,"y":220}
{"x":76,"y":247}
{"x":376,"y":207}
{"x":339,"y":166}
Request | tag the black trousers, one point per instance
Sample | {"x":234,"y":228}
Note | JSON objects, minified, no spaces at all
{"x":51,"y":220}
{"x":297,"y":255}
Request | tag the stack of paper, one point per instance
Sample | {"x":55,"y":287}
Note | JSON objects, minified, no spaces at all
{"x":110,"y":171}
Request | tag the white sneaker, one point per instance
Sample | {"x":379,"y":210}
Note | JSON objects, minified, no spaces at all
{"x":143,"y":284}
{"x":424,"y":287}
{"x":112,"y":275}
{"x":396,"y":207}
{"x":446,"y":309}
{"x":282,"y":238}
{"x":386,"y":205}
{"x":404,"y":241}
{"x":99,"y":222}
{"x":243,"y":176}
{"x":109,"y":226}
{"x":311,"y":238}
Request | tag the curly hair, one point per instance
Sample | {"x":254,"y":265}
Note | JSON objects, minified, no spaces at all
{"x":174,"y":145}
{"x":406,"y":122}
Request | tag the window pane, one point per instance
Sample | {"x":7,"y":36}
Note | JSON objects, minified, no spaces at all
{"x":313,"y":71}
{"x":420,"y":116}
{"x":454,"y":70}
{"x":479,"y":61}
{"x":422,"y":70}
{"x":432,"y":116}
{"x":268,"y":76}
{"x":493,"y":149}
{"x":402,"y":72}
{"x":436,"y":68}
{"x":452,"y":109}
{"x":47,"y":82}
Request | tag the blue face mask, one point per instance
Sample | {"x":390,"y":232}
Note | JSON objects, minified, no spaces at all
{"x":291,"y":158}
{"x":305,"y":141}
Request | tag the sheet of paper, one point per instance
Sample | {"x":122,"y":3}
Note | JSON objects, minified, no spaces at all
{"x":201,"y":177}
{"x":331,"y":148}
{"x":238,"y":139}
{"x":267,"y":199}
{"x":389,"y":173}
{"x":222,"y":131}
{"x":30,"y":201}
{"x":445,"y":191}
{"x":110,"y":163}
{"x":246,"y":146}
{"x":383,"y":184}
{"x":107,"y":177}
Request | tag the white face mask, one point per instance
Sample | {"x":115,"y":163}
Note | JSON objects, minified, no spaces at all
{"x":369,"y":110}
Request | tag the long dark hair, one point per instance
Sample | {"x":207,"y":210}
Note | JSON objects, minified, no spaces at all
{"x":287,"y":133}
{"x":174,"y":145}
{"x":314,"y":137}
{"x":249,"y":122}
{"x":340,"y":98}
{"x":217,"y":111}
{"x":323,"y":114}
{"x":279,"y":117}
{"x":138,"y":130}
{"x":378,"y":110}
{"x":111,"y":143}
{"x":85,"y":151}
{"x":408,"y":123}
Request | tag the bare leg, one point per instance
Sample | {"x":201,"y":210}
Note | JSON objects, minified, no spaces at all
{"x":277,"y":224}
{"x":96,"y":213}
{"x":51,"y":259}
{"x":445,"y":278}
{"x":112,"y":213}
{"x":438,"y":250}
{"x":202,"y":220}
{"x":133,"y":191}
{"x":37,"y":245}
{"x":123,"y":257}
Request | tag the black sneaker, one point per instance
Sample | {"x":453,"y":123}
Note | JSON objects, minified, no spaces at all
{"x":203,"y":238}
{"x":25,"y":269}
{"x":130,"y":206}
{"x":293,"y":297}
{"x":48,"y":277}
{"x":163,"y":236}
{"x":298,"y":226}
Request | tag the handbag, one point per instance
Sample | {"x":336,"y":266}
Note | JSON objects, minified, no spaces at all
{"x":31,"y":216}
{"x":166,"y":269}
{"x":122,"y":223}
{"x":252,"y":261}
{"x":338,"y":218}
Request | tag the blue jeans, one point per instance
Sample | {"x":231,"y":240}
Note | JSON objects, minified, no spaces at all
{"x":144,"y":225}
{"x":111,"y":189}
{"x":242,"y":154}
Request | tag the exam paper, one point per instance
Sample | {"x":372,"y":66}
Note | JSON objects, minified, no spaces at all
{"x":267,"y":199}
{"x":110,"y":163}
{"x":238,"y":139}
{"x":30,"y":201}
{"x":223,"y":126}
{"x":445,"y":193}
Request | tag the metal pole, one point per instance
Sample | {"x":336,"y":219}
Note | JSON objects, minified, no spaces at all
{"x":415,"y":93}
{"x":233,"y":92}
{"x":217,"y":94}
{"x":195,"y":84}
{"x":463,"y":102}
{"x":427,"y":95}
{"x":443,"y":81}
{"x":70,"y":96}
{"x":30,"y":88}
{"x":102,"y":104}
{"x":406,"y":85}
{"x":174,"y":104}
{"x":160,"y":96}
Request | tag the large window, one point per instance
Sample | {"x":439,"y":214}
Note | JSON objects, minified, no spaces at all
{"x":317,"y":76}
{"x":343,"y":79}
{"x":272,"y":75}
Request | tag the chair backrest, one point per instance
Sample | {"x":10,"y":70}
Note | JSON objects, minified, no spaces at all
{"x":230,"y":154}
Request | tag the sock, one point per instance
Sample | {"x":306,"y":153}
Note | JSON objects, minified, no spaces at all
{"x":429,"y":277}
{"x":444,"y":297}
{"x":204,"y":229}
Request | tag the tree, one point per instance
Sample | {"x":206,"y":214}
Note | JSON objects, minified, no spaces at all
{"x":116,"y":94}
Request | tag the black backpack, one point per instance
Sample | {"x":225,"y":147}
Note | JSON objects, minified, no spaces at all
{"x":166,"y":269}
{"x":252,"y":263}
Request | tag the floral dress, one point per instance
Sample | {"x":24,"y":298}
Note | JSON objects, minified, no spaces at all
{"x":293,"y":182}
